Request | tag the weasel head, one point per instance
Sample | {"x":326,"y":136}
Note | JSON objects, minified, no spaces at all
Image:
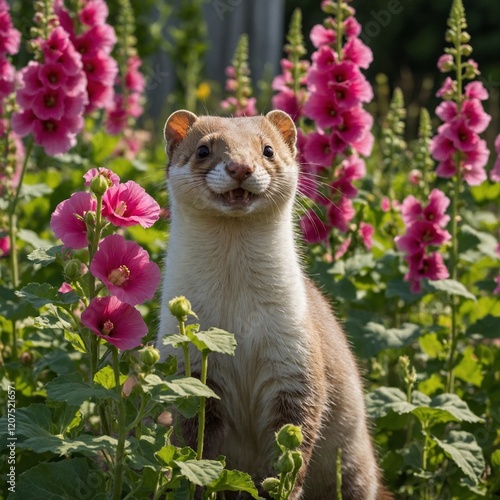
{"x":231,"y":166}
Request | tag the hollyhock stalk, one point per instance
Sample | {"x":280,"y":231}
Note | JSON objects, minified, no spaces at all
{"x":120,"y":447}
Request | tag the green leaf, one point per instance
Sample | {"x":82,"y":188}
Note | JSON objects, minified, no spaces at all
{"x":469,"y":368}
{"x":463,"y":449}
{"x":215,"y":340}
{"x":233,"y":480}
{"x":190,"y":386}
{"x":106,"y":378}
{"x":31,"y":191}
{"x":200,"y":472}
{"x":451,"y":287}
{"x":32,"y":239}
{"x":41,"y":294}
{"x":401,"y":289}
{"x":439,"y":409}
{"x":72,"y":389}
{"x":64,"y":480}
{"x":488,"y":327}
{"x":76,"y":341}
{"x":370,"y":338}
{"x":175,"y":340}
{"x":45,"y":256}
{"x":52,"y":322}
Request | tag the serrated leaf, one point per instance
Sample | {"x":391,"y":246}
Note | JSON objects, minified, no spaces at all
{"x":215,"y":340}
{"x":45,"y":256}
{"x":51,"y":322}
{"x":200,"y":472}
{"x":382,"y":400}
{"x":41,"y":294}
{"x":233,"y":480}
{"x":463,"y":449}
{"x":451,"y":287}
{"x":64,"y":480}
{"x":190,"y":386}
{"x":72,"y":389}
{"x":106,"y":378}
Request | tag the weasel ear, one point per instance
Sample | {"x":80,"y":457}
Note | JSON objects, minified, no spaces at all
{"x":176,"y":129}
{"x":285,"y":127}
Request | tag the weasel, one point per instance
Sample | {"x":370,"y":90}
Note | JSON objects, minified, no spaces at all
{"x":232,"y":184}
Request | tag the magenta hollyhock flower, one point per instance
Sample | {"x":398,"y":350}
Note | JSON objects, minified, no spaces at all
{"x":10,"y":38}
{"x":430,"y":266}
{"x":435,"y":211}
{"x":313,"y":228}
{"x":495,"y":172}
{"x":352,"y":28}
{"x":112,"y":178}
{"x":4,"y":246}
{"x":7,"y":77}
{"x":342,"y":249}
{"x":67,"y":220}
{"x":317,"y":150}
{"x":476,"y":90}
{"x":125,"y":269}
{"x":134,"y":80}
{"x":385,"y":204}
{"x":445,"y":63}
{"x":322,"y":36}
{"x":93,"y":13}
{"x":358,"y":53}
{"x":118,"y":323}
{"x":57,"y":136}
{"x":366,"y":230}
{"x":341,"y":213}
{"x":128,"y":205}
{"x":421,"y":234}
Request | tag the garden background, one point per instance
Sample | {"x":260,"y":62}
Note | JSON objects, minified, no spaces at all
{"x":400,"y":213}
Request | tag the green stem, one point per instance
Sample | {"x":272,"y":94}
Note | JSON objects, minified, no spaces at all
{"x":120,"y":448}
{"x":185,"y":349}
{"x":93,"y":245}
{"x":201,"y":411}
{"x":338,"y":471}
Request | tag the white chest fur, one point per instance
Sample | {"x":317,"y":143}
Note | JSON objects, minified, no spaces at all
{"x":242,"y":276}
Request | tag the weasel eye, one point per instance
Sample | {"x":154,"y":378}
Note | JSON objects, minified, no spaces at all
{"x":268,"y":152}
{"x":203,"y":152}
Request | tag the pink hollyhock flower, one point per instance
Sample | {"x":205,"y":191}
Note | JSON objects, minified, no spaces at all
{"x":128,"y":205}
{"x":125,"y":269}
{"x":354,"y":124}
{"x":313,"y":228}
{"x":323,"y":109}
{"x":67,"y":220}
{"x":495,"y":172}
{"x":426,"y":266}
{"x":95,"y":12}
{"x":322,"y":36}
{"x":447,"y":88}
{"x":50,"y":75}
{"x":435,"y":211}
{"x":323,"y":61}
{"x":134,"y":80}
{"x":366,"y":231}
{"x":341,"y":213}
{"x":10,"y":38}
{"x":7,"y":77}
{"x":475,"y":116}
{"x":463,"y":138}
{"x":352,"y":28}
{"x":415,"y":176}
{"x":385,"y":204}
{"x":476,"y":90}
{"x":118,"y":323}
{"x":4,"y":246}
{"x":445,"y":63}
{"x":317,"y":150}
{"x":112,"y":178}
{"x":287,"y":101}
{"x":421,"y":234}
{"x":342,"y":249}
{"x":358,"y":53}
{"x":56,"y":136}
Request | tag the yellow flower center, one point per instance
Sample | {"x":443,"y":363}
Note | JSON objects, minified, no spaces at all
{"x":119,"y":275}
{"x":107,"y":327}
{"x":121,"y":208}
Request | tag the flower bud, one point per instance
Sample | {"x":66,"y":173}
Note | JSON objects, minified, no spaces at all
{"x":180,"y":307}
{"x":89,"y":219}
{"x":149,"y":355}
{"x":466,"y":50}
{"x":297,"y":460}
{"x":285,"y":463}
{"x":74,"y":269}
{"x":271,"y":485}
{"x":289,"y":436}
{"x":464,"y":37}
{"x":99,"y":184}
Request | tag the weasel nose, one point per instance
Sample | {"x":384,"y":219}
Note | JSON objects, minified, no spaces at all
{"x":239,"y":171}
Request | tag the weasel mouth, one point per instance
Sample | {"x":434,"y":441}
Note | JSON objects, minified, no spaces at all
{"x":237,"y":196}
